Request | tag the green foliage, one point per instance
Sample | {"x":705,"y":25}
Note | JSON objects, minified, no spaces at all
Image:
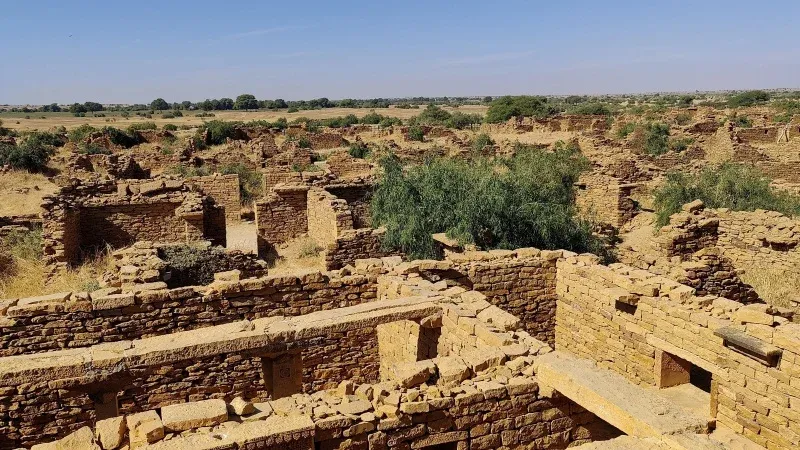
{"x":6,"y":131}
{"x":142,"y":126}
{"x":680,"y":144}
{"x":250,"y":187}
{"x":656,"y":138}
{"x":504,"y":108}
{"x":683,"y":119}
{"x":481,"y":141}
{"x":304,"y":142}
{"x":733,"y":186}
{"x":390,"y":121}
{"x":80,"y":133}
{"x":119,"y":137}
{"x":245,"y":101}
{"x":359,"y":150}
{"x":218,"y":131}
{"x":748,"y":98}
{"x":460,"y":120}
{"x":30,"y":157}
{"x":193,"y":265}
{"x":685,"y":100}
{"x":159,"y":104}
{"x":293,"y":109}
{"x":415,"y":133}
{"x":741,"y":121}
{"x":93,"y":149}
{"x":523,"y":201}
{"x":169,"y":127}
{"x":189,"y":171}
{"x":44,"y":138}
{"x":433,"y":115}
{"x":25,"y":245}
{"x":594,"y":109}
{"x":205,"y":114}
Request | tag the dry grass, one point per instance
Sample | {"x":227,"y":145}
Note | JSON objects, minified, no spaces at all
{"x":30,"y":275}
{"x":301,"y":254}
{"x":775,"y":286}
{"x":21,"y":192}
{"x":52,"y":120}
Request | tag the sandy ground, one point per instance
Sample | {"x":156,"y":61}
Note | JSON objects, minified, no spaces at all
{"x":242,"y":236}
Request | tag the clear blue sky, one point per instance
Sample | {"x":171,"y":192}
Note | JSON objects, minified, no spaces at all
{"x":126,"y":52}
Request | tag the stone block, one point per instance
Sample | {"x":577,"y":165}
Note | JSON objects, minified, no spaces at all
{"x":186,"y":416}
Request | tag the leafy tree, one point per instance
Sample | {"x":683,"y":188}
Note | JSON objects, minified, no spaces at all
{"x":748,"y":98}
{"x":53,"y":107}
{"x":733,"y":186}
{"x":225,"y":104}
{"x":186,"y":105}
{"x":433,"y":115}
{"x":504,"y":108}
{"x":31,"y":155}
{"x":93,"y":106}
{"x":218,"y":131}
{"x":77,"y":108}
{"x":487,"y":99}
{"x":245,"y":101}
{"x":359,"y":150}
{"x":526,"y":200}
{"x":159,"y":104}
{"x":594,"y":109}
{"x":279,"y":104}
{"x":415,"y":133}
{"x":460,"y":120}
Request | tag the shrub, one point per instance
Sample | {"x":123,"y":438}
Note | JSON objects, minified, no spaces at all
{"x":205,"y":114}
{"x":741,"y":121}
{"x":359,"y":150}
{"x":481,"y":141}
{"x":460,"y":120}
{"x":169,"y":127}
{"x":433,"y":115}
{"x":293,"y":109}
{"x":390,"y":121}
{"x":656,"y":138}
{"x":25,"y":245}
{"x":594,"y":109}
{"x":193,"y":265}
{"x":748,"y":98}
{"x":94,"y":149}
{"x":372,"y":118}
{"x":31,"y":157}
{"x":737,"y":187}
{"x":310,"y":249}
{"x":504,"y":108}
{"x":683,"y":119}
{"x":142,"y":126}
{"x":168,"y":116}
{"x":523,"y":201}
{"x":44,"y":138}
{"x":218,"y":131}
{"x":680,"y":144}
{"x":250,"y":186}
{"x":189,"y":171}
{"x":415,"y":133}
{"x":80,"y":133}
{"x":304,"y":142}
{"x":119,"y":137}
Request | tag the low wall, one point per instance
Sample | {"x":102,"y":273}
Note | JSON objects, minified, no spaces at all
{"x":350,"y":245}
{"x":358,"y":197}
{"x":72,"y":320}
{"x":635,"y":323}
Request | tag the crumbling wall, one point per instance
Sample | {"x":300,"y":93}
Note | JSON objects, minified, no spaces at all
{"x":83,"y":217}
{"x":277,"y":175}
{"x":350,"y":245}
{"x":758,"y":135}
{"x":358,"y":197}
{"x":628,"y":320}
{"x":753,"y":239}
{"x":281,"y":216}
{"x":328,"y":216}
{"x":224,"y":190}
{"x":346,"y":167}
{"x":605,"y":199}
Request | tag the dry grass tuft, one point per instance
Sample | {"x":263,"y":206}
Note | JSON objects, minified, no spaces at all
{"x":299,"y":254}
{"x":775,"y":286}
{"x":21,"y":192}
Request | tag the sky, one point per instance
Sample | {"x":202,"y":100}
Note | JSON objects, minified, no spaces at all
{"x":134,"y":52}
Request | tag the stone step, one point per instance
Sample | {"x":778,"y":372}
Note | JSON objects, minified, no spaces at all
{"x":634,"y":410}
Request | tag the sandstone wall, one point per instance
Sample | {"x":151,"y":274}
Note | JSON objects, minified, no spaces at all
{"x":224,"y":190}
{"x":350,"y":245}
{"x":346,"y":167}
{"x":72,"y":320}
{"x":281,"y":216}
{"x":628,"y":321}
{"x":753,"y":239}
{"x":358,"y":197}
{"x":604,"y":199}
{"x":274,"y":176}
{"x":327,"y":216}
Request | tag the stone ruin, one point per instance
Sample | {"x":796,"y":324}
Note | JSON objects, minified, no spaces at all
{"x":335,"y":216}
{"x":518,"y":349}
{"x":83,"y":217}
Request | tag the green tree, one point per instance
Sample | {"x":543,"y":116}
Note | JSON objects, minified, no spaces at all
{"x":93,"y":106}
{"x":159,"y":104}
{"x":504,"y":108}
{"x":77,"y":108}
{"x":245,"y":102}
{"x":748,"y":98}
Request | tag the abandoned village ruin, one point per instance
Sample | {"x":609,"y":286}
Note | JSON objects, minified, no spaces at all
{"x":667,"y":348}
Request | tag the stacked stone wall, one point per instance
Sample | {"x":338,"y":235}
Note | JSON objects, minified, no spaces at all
{"x":224,"y":190}
{"x":351,"y":245}
{"x":72,"y":320}
{"x":358,"y":197}
{"x":626,"y":320}
{"x":281,"y":216}
{"x":328,"y":216}
{"x":605,"y":199}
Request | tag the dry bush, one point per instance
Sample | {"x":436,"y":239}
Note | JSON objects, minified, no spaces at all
{"x":303,"y":253}
{"x":776,"y":287}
